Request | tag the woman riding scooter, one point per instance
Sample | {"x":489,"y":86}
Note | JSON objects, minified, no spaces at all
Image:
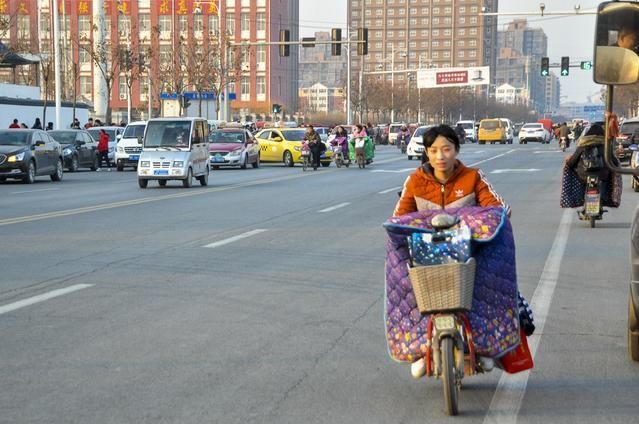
{"x":341,"y":139}
{"x":316,"y":146}
{"x":403,"y":138}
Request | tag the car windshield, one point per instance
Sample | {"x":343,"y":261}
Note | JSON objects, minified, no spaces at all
{"x":629,"y":127}
{"x":226,"y":137}
{"x":294,"y":135}
{"x":420,"y":131}
{"x":134,"y":131}
{"x":63,"y":137}
{"x":467,"y":125}
{"x":13,"y":138}
{"x":490,"y":125}
{"x":167,"y":134}
{"x":533,"y":126}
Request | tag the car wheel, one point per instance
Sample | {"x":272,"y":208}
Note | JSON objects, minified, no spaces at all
{"x":410,"y":157}
{"x":256,"y":164}
{"x":74,"y":164}
{"x":143,"y":183}
{"x":188,"y":181}
{"x":120,"y":168}
{"x":288,"y":159}
{"x":162,"y":183}
{"x":31,"y":174}
{"x":633,"y":339}
{"x":325,"y":164}
{"x":96,"y":164}
{"x":635,"y":185}
{"x":59,"y":171}
{"x":204,"y":179}
{"x":244,"y":162}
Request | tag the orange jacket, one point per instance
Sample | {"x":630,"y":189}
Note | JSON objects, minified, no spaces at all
{"x":466,"y":187}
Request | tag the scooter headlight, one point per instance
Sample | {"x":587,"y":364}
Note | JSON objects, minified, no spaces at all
{"x":445,"y":322}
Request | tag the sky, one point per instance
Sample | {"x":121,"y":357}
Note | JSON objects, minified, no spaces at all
{"x":567,"y":35}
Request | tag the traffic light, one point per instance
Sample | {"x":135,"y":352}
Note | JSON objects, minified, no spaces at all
{"x":565,"y":65}
{"x":362,"y":35}
{"x":285,"y":37}
{"x":545,"y":65}
{"x":336,"y":38}
{"x":277,"y":108}
{"x":586,"y":65}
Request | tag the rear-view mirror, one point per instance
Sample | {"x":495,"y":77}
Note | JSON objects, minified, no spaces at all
{"x":118,"y":137}
{"x":277,"y":139}
{"x":139,"y":140}
{"x":617,"y":43}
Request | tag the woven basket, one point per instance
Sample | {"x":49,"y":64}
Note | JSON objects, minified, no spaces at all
{"x":443,"y":287}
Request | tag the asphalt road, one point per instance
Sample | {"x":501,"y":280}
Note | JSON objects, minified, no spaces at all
{"x":260,"y":298}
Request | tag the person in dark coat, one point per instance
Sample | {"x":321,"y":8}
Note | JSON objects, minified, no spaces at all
{"x":37,"y":125}
{"x":315,"y":144}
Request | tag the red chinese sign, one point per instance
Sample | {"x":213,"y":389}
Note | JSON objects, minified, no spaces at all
{"x":456,"y":77}
{"x":4,"y":6}
{"x":23,"y":9}
{"x":84,"y":7}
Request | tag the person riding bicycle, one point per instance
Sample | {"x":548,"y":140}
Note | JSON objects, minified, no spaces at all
{"x":341,"y":139}
{"x":315,"y":144}
{"x":563,"y":132}
{"x":403,"y":136}
{"x":442,"y":182}
{"x":581,"y":160}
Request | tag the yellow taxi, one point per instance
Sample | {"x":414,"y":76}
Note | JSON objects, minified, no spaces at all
{"x":491,"y":131}
{"x":285,"y":145}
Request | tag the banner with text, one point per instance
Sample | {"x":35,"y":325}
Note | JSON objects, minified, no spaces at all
{"x":453,"y":77}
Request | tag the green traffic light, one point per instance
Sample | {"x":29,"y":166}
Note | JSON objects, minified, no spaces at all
{"x":586,"y":65}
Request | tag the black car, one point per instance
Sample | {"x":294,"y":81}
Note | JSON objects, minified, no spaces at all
{"x":78,"y":148}
{"x":628,"y":135}
{"x":25,"y":154}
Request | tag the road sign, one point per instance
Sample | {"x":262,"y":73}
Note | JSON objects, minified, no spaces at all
{"x":594,"y":108}
{"x":453,"y":77}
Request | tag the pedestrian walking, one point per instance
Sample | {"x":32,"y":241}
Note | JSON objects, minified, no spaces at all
{"x":103,"y":149}
{"x":37,"y":125}
{"x":15,"y":124}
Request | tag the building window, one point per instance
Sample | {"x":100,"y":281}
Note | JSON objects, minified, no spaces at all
{"x":245,"y":22}
{"x":198,"y":23}
{"x":84,"y":25}
{"x":124,"y":25}
{"x":144,"y":4}
{"x":260,"y":56}
{"x":245,"y":87}
{"x":260,"y":21}
{"x":165,"y":25}
{"x":213,"y":25}
{"x":86,"y":87}
{"x":261,"y":88}
{"x":122,"y":87}
{"x":144,"y":89}
{"x":83,"y":55}
{"x":183,"y":23}
{"x":230,"y":23}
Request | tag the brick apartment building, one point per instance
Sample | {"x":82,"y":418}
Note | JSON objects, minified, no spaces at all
{"x":265,"y":77}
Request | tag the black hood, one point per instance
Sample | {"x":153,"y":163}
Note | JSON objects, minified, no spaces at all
{"x":9,"y":149}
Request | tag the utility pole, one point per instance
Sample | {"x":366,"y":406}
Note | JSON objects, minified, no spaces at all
{"x":56,"y":64}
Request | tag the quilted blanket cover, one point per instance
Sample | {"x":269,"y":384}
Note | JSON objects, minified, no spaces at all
{"x":494,"y":315}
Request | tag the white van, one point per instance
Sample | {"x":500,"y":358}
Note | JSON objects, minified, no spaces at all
{"x":469,"y":129}
{"x":127,"y":152}
{"x":509,"y":130}
{"x":175,"y":149}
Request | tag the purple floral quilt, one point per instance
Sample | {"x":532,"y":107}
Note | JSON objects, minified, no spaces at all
{"x":494,"y":315}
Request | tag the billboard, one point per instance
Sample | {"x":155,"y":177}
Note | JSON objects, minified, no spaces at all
{"x":453,"y":77}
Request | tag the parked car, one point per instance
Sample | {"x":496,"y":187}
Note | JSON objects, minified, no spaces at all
{"x":491,"y":131}
{"x":79,"y":149}
{"x":285,"y":145}
{"x":469,"y":129}
{"x":415,"y":147}
{"x":233,"y":147}
{"x":114,"y":135}
{"x":628,"y":134}
{"x":129,"y":145}
{"x":533,"y":131}
{"x":26,"y":154}
{"x":323,"y":132}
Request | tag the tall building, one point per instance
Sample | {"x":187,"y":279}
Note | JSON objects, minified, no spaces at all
{"x":318,"y":65}
{"x":168,"y":29}
{"x":441,"y":33}
{"x":520,"y":49}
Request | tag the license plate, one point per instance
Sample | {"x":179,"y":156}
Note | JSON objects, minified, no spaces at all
{"x":419,"y":149}
{"x":161,"y":172}
{"x":218,"y":159}
{"x":134,"y":157}
{"x":592,"y":203}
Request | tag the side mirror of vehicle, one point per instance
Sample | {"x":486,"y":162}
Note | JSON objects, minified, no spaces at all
{"x":118,"y":137}
{"x":277,"y":139}
{"x":39,"y":144}
{"x":616,"y":37}
{"x":634,"y":147}
{"x":80,"y":143}
{"x":139,"y":139}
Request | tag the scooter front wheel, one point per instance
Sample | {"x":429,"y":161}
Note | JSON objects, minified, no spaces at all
{"x":449,"y":380}
{"x":592,"y":221}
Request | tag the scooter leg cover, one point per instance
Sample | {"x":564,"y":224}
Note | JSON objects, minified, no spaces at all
{"x":614,"y":189}
{"x":573,"y":189}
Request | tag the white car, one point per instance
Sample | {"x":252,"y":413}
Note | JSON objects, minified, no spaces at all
{"x":129,"y":146}
{"x":114,"y":134}
{"x":533,"y":132}
{"x":509,"y":130}
{"x":469,"y":129}
{"x":393,"y":129}
{"x":415,"y":147}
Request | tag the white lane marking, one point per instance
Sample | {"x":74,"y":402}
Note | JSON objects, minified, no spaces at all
{"x":546,"y":151}
{"x":235,"y":238}
{"x":510,"y":391}
{"x":390,"y":190}
{"x":514,"y":171}
{"x":332,"y":208}
{"x":394,"y":171}
{"x":41,"y":298}
{"x":492,"y":158}
{"x":34,"y":191}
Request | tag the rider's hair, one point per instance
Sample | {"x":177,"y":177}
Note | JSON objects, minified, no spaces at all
{"x":445,"y":131}
{"x":596,"y":129}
